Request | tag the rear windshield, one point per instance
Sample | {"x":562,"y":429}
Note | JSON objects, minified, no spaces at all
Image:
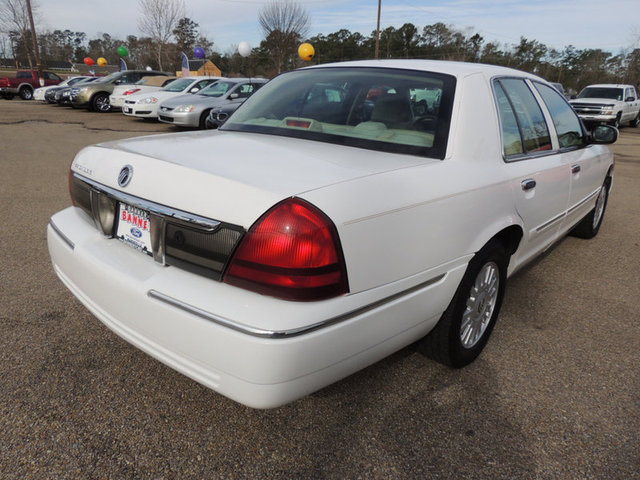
{"x":178,"y":85}
{"x":400,"y":111}
{"x":217,"y":89}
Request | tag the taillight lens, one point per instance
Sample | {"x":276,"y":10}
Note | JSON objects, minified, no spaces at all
{"x":291,"y":252}
{"x":73,"y":198}
{"x":133,"y":90}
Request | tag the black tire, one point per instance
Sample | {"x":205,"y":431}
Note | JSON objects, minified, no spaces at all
{"x":100,"y":103}
{"x":7,"y":96}
{"x":589,"y":226}
{"x":475,"y":299}
{"x":203,"y":120}
{"x":26,"y":93}
{"x":635,"y":122}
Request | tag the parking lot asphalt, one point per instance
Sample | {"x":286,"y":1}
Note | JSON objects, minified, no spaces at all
{"x":555,"y":395}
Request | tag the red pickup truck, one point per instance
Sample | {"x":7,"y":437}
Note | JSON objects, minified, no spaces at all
{"x":25,"y":82}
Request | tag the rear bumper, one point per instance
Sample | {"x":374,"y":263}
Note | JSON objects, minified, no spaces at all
{"x":116,"y":102}
{"x":257,"y":350}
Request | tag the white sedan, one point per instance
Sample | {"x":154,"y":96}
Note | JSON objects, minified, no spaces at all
{"x":146,"y":84}
{"x":343,"y":212}
{"x":146,"y":104}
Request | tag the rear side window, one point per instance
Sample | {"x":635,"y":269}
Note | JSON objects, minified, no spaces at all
{"x":24,"y":75}
{"x":516,"y":103}
{"x":566,"y":122}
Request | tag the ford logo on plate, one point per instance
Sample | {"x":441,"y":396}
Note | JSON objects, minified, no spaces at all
{"x":135,"y":232}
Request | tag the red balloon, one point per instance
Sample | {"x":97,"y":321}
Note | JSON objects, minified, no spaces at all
{"x":89,"y":61}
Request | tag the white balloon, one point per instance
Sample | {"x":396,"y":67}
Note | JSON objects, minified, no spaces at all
{"x":244,"y":49}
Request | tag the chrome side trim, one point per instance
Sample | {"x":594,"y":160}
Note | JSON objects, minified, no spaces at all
{"x":62,"y":235}
{"x":279,"y":334}
{"x":152,"y":207}
{"x":568,"y":212}
{"x":551,"y":222}
{"x":579,"y":204}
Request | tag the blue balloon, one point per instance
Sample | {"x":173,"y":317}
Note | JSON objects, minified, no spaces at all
{"x":199,"y":52}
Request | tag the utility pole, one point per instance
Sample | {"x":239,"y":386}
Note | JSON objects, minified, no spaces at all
{"x":34,"y":37}
{"x":377,"y":54}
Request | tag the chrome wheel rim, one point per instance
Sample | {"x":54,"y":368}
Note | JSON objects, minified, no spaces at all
{"x":103,"y":103}
{"x":599,"y":208}
{"x":480,"y":305}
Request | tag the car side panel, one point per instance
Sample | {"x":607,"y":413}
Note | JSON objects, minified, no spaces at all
{"x":589,"y":168}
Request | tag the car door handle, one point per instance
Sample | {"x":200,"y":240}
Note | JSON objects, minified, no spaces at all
{"x":575,"y":168}
{"x":528,"y":184}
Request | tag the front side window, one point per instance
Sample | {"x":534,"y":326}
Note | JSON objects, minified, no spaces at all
{"x":401,"y":111}
{"x":631,"y":95}
{"x":522,"y":106}
{"x":566,"y":122}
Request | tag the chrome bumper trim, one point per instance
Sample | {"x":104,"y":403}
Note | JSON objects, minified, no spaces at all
{"x":152,"y":207}
{"x":279,"y":334}
{"x":62,"y":235}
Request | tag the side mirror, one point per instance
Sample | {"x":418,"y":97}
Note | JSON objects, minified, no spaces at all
{"x":194,"y":90}
{"x":604,"y":134}
{"x":233,"y":96}
{"x":630,"y":99}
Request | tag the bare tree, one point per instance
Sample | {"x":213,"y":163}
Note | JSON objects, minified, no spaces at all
{"x":159,"y":19}
{"x":284,"y":25}
{"x":14,"y":17}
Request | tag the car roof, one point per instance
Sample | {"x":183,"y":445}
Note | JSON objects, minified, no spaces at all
{"x":458,"y":69}
{"x":155,"y":80}
{"x":245,"y":79}
{"x":609,"y":85}
{"x":203,"y":77}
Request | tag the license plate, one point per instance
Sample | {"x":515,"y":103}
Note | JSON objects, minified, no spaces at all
{"x":134,"y":228}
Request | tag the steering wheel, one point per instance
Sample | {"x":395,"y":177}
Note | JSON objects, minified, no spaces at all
{"x":425,"y":123}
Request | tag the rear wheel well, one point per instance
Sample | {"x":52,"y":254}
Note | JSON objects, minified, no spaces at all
{"x":509,"y":237}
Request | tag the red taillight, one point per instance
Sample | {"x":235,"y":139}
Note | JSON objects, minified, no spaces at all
{"x":291,"y":252}
{"x":129,"y":92}
{"x":298,"y":123}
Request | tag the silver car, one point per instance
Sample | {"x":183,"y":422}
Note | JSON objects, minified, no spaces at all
{"x":192,"y":110}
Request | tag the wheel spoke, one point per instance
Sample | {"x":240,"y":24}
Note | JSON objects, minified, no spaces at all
{"x":480,"y":305}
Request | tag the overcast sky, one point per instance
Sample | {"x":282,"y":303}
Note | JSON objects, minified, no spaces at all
{"x":608,"y":24}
